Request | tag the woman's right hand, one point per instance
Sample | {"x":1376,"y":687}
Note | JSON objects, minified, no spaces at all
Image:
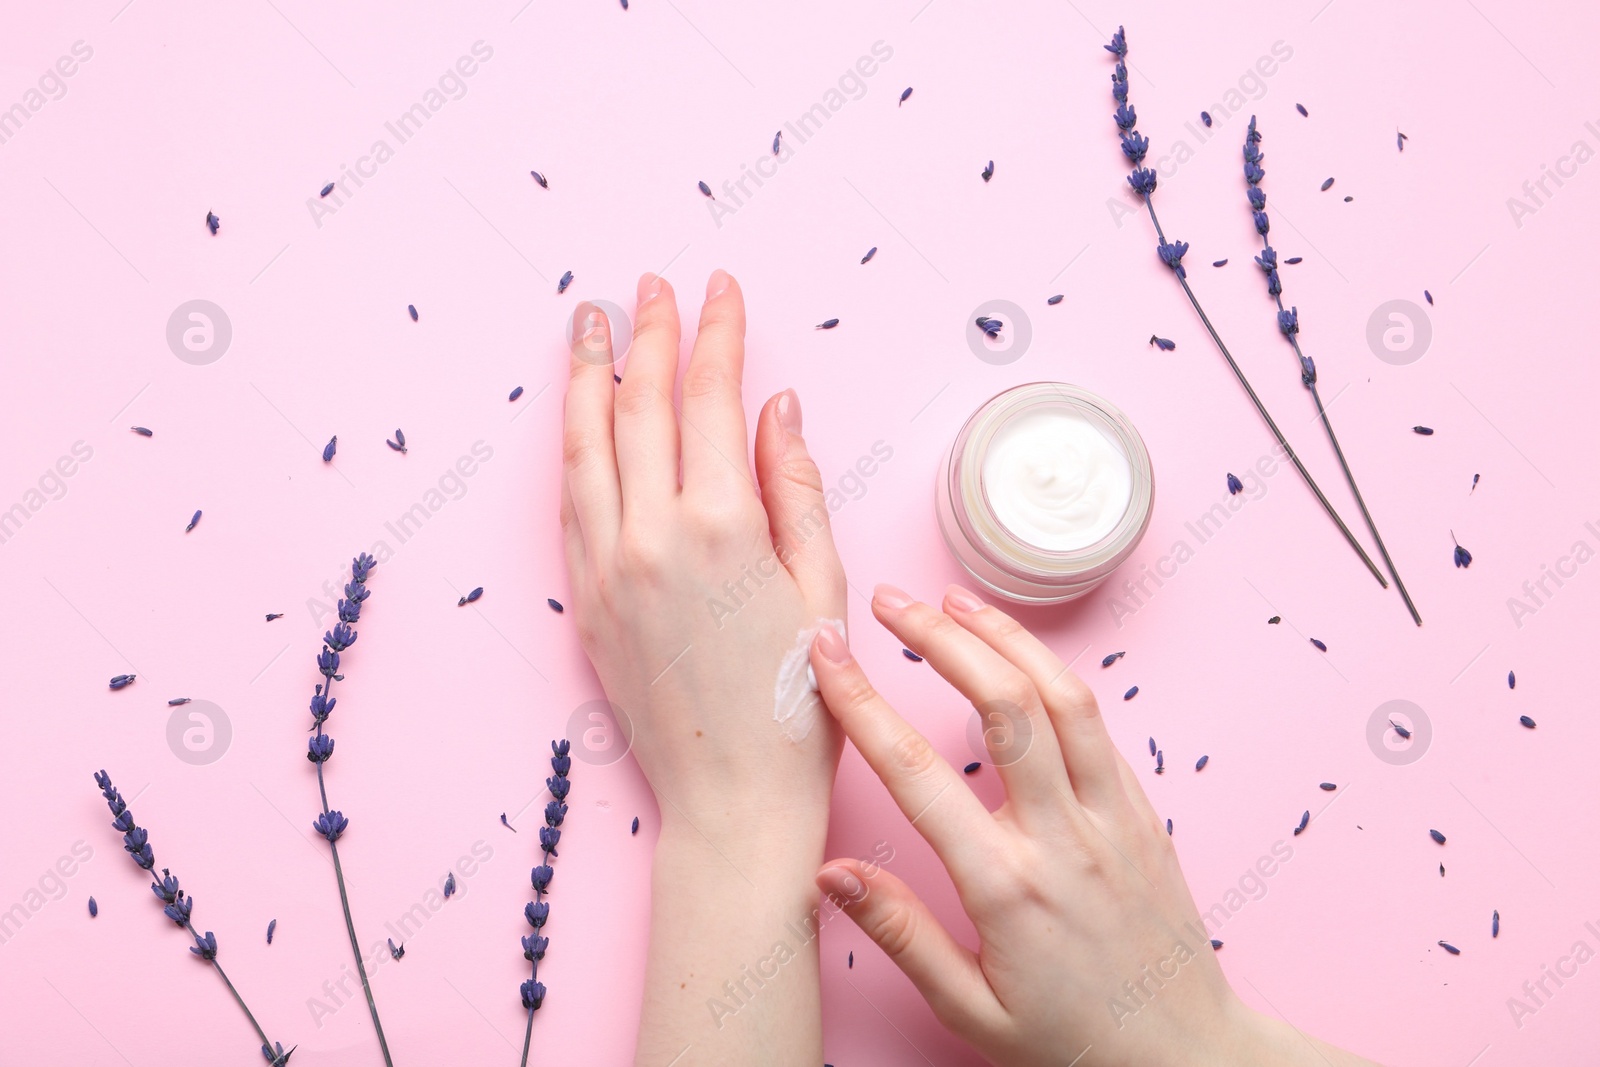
{"x":1090,"y":945}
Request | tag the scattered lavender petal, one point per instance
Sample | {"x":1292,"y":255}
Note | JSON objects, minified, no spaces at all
{"x":1327,"y":787}
{"x":1162,"y":343}
{"x":1131,"y":693}
{"x":1219,"y":263}
{"x":1448,"y":947}
{"x":450,"y":885}
{"x":828,"y":324}
{"x":555,"y":605}
{"x":1320,"y":646}
{"x":870,"y":253}
{"x":94,"y":909}
{"x":272,"y":928}
{"x":1327,"y":185}
{"x":1425,"y":431}
{"x":177,"y":702}
{"x":1428,"y":295}
{"x":705,"y":190}
{"x":904,"y":96}
{"x":635,"y":828}
{"x":514,"y":394}
{"x":1275,"y":620}
{"x":122,"y":681}
{"x":540,"y":178}
{"x":566,"y":280}
{"x":193,"y":522}
{"x":1305,"y":820}
{"x":1437,"y":836}
{"x":141,"y":431}
{"x":1302,"y":109}
{"x":1511,"y":679}
{"x":1200,"y":764}
{"x":277,"y":615}
{"x":1292,"y":260}
{"x":326,"y":189}
{"x":412,"y":309}
{"x":1235,"y":486}
{"x":1529,"y":723}
{"x":1109,"y":660}
{"x":1054,"y":300}
{"x":910,"y":655}
{"x":1205,"y":117}
{"x":1494,"y":925}
{"x":1401,"y":730}
{"x":988,"y":171}
{"x":213,"y":223}
{"x":330,"y":449}
{"x":971,"y":768}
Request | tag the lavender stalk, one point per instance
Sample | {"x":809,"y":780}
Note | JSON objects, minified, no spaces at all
{"x":332,"y":823}
{"x":538,"y":911}
{"x":1143,"y":180}
{"x":178,"y":906}
{"x":1289,"y":326}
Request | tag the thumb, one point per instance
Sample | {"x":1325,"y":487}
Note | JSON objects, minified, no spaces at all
{"x":895,"y":918}
{"x":797,"y":513}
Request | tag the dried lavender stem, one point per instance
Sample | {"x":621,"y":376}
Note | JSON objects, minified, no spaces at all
{"x":1261,"y":408}
{"x":1350,"y":478}
{"x":344,"y":903}
{"x":262,"y":1034}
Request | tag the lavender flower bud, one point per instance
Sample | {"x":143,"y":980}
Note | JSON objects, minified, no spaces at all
{"x":349,"y":612}
{"x":328,"y":663}
{"x":340,"y":637}
{"x":1119,"y":43}
{"x":1126,"y":118}
{"x":123,"y":823}
{"x":558,"y":787}
{"x":1134,"y":146}
{"x":331,"y":825}
{"x":1252,"y":154}
{"x":1172,"y":255}
{"x":1262,"y":223}
{"x":320,"y":748}
{"x":322,"y":706}
{"x":356,"y":592}
{"x":362,"y":565}
{"x":1253,"y":173}
{"x":1289,"y":321}
{"x":533,"y":947}
{"x":1268,"y":259}
{"x":178,"y":910}
{"x":532,"y":994}
{"x":561,"y":747}
{"x":562,"y":765}
{"x":205,"y":947}
{"x":167,"y":888}
{"x":1258,"y":199}
{"x":1143,"y":181}
{"x":1274,"y":284}
{"x":1308,"y":372}
{"x":541,"y":877}
{"x":555,"y":813}
{"x":549,"y":838}
{"x":537,"y":913}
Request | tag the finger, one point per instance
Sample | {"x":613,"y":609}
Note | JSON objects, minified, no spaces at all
{"x":1016,"y":728}
{"x":588,"y":451}
{"x":647,"y":423}
{"x":714,"y":440}
{"x":1084,"y":742}
{"x":889,"y":912}
{"x":791,"y":491}
{"x":926,"y":788}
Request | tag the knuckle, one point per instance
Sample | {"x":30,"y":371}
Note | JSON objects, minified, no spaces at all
{"x":801,"y":472}
{"x":1007,"y":630}
{"x":641,"y":556}
{"x":704,"y":379}
{"x":633,"y":402}
{"x":893,"y":929}
{"x":579,"y":448}
{"x":911,"y":756}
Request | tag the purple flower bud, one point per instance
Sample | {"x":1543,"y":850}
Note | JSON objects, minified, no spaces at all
{"x":558,"y":787}
{"x":1289,"y":321}
{"x":1134,"y":146}
{"x":541,"y":877}
{"x":320,"y":748}
{"x":532,"y":994}
{"x":328,"y":662}
{"x":179,"y":908}
{"x":167,"y":888}
{"x":1258,"y":199}
{"x":533,"y":946}
{"x":322,"y":706}
{"x":537,"y":913}
{"x":205,"y":947}
{"x":340,"y":637}
{"x":1172,"y":255}
{"x":555,"y":813}
{"x":549,"y":838}
{"x":1263,"y":224}
{"x":1308,"y":372}
{"x":1253,"y":174}
{"x":1126,"y":118}
{"x":1143,"y":181}
{"x":1119,"y":43}
{"x":331,"y":825}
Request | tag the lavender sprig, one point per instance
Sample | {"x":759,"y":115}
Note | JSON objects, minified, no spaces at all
{"x":177,"y":905}
{"x":538,"y":911}
{"x":1289,"y":326}
{"x":332,"y":823}
{"x":1143,"y":181}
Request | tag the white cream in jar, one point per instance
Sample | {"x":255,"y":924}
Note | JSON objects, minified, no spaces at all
{"x":1045,"y":491}
{"x":1055,"y":480}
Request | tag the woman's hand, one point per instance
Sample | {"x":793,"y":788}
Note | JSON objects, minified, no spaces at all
{"x":1088,"y":936}
{"x":696,"y":588}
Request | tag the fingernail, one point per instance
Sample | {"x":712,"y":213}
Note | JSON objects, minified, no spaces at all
{"x":718,"y":284}
{"x":892,"y":598}
{"x":789,"y":412}
{"x":841,"y":884}
{"x":832,"y":645}
{"x":963,"y":600}
{"x":649,"y":286}
{"x":583,"y":319}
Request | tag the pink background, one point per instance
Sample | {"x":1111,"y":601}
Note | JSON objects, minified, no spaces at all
{"x":248,"y":110}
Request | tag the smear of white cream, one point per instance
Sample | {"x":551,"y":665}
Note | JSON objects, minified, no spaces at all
{"x":796,"y":705}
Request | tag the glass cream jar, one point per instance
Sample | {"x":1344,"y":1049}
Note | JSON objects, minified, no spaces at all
{"x":1046,"y":490}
